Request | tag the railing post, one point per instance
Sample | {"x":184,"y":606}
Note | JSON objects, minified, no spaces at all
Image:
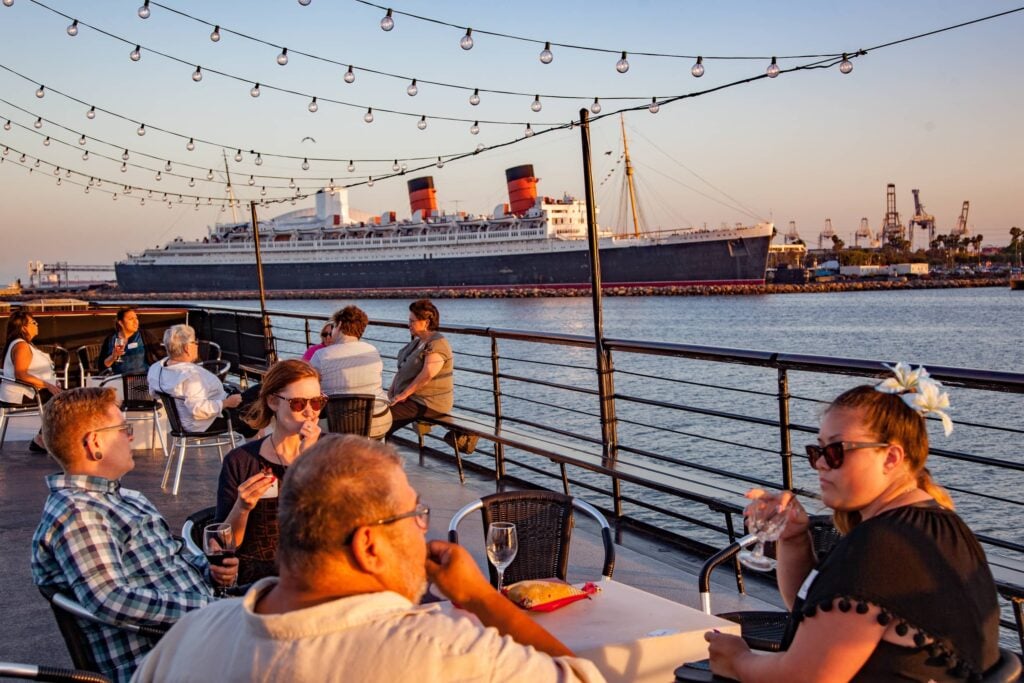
{"x":499,"y":449}
{"x":785,"y":440}
{"x":309,"y":341}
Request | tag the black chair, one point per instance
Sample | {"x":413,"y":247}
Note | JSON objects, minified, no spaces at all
{"x":88,"y":361}
{"x":71,"y":616}
{"x":32,"y":672}
{"x":350,"y":413}
{"x":137,"y":399}
{"x":182,"y":439}
{"x":8,"y":410}
{"x":544,"y":522}
{"x":192,"y":529}
{"x":217,"y":367}
{"x":1015,"y":595}
{"x":208,"y":351}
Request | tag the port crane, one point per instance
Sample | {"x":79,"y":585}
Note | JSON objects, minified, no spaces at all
{"x":892,"y":228}
{"x":792,"y":236}
{"x":827,"y":234}
{"x":864,"y":232}
{"x":922,"y":220}
{"x":961,"y":229}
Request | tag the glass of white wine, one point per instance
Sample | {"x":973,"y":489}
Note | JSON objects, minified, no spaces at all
{"x":502,"y":546}
{"x":767,"y":520}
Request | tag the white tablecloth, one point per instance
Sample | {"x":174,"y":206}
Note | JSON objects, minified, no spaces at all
{"x":142,"y":428}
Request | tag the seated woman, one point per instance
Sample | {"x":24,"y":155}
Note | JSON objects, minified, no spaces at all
{"x":25,"y":363}
{"x":906,"y":594}
{"x":290,"y":397}
{"x":325,"y":340}
{"x":423,"y":382}
{"x":200,"y":395}
{"x":352,"y":366}
{"x":128,"y":349}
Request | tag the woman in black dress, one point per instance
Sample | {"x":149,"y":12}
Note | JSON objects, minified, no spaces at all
{"x":291,"y":399}
{"x":906,"y":594}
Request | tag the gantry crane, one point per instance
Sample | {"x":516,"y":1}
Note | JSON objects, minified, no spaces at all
{"x":792,"y":236}
{"x":863,"y":232}
{"x":961,"y":223}
{"x":923,"y":220}
{"x":827,"y":234}
{"x":892,"y":229}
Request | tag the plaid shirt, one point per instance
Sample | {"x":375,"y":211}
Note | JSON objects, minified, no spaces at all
{"x":111,"y":549}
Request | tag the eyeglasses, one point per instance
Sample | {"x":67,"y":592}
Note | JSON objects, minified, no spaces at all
{"x":421,"y":514}
{"x":125,"y":427}
{"x":297,"y":405}
{"x":835,"y":451}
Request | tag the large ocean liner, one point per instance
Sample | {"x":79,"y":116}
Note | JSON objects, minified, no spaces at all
{"x":531,"y":242}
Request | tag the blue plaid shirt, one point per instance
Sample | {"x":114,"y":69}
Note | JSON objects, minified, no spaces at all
{"x":110,"y":548}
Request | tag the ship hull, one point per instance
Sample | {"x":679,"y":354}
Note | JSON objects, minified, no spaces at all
{"x":735,"y":261}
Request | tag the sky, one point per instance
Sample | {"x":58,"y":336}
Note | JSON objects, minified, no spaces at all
{"x":940,"y":114}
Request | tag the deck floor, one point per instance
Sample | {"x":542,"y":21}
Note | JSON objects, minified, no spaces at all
{"x":28,"y":633}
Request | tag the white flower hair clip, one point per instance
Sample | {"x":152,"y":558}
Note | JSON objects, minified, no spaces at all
{"x":919,"y":391}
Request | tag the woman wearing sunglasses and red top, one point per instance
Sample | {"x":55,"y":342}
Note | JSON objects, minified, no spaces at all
{"x":906,"y":594}
{"x":291,"y":399}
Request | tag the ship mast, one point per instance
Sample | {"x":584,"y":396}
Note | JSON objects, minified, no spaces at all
{"x":231,"y":191}
{"x":629,"y":177}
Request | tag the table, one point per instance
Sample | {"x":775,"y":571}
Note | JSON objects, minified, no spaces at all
{"x":630,"y":634}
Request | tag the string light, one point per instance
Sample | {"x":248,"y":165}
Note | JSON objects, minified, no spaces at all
{"x":167,"y":166}
{"x":291,"y":183}
{"x":136,"y":54}
{"x":595,"y":108}
{"x":845,"y":66}
{"x":305,"y":164}
{"x":259,"y":160}
{"x":141,"y":131}
{"x":304,"y":3}
{"x":413,"y":89}
{"x":124,"y":156}
{"x":369,"y":179}
{"x":238,"y":155}
{"x":466,"y":42}
{"x":395,"y":167}
{"x":85,"y":155}
{"x":41,"y":92}
{"x":197,"y":75}
{"x":263,"y":191}
{"x":529,"y":133}
{"x":480,"y":146}
{"x":8,"y":3}
{"x":46,"y":142}
{"x":351,"y":166}
{"x":475,"y":128}
{"x":368,"y":116}
{"x":7,"y":125}
{"x":73,"y":28}
{"x":255,"y":90}
{"x":91,"y":114}
{"x":81,"y":140}
{"x":209,"y":174}
{"x":158,"y":176}
{"x":190,"y":145}
{"x":191,"y":182}
{"x":313,"y":106}
{"x":654,"y":107}
{"x":252,"y":180}
{"x":773,"y":69}
{"x":215,"y":36}
{"x":622,"y":66}
{"x":546,"y":56}
{"x":38,"y":123}
{"x":697,"y":70}
{"x":440,"y":164}
{"x":350,"y":76}
{"x":282,"y":58}
{"x":388,"y":22}
{"x":536,"y":105}
{"x":144,"y":10}
{"x":422,"y":123}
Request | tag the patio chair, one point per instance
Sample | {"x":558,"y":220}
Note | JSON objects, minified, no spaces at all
{"x":33,"y":672}
{"x":192,"y":529}
{"x":544,"y":522}
{"x":71,"y":616}
{"x":183,"y":439}
{"x":350,"y":413}
{"x":137,"y":399}
{"x":61,"y":359}
{"x":88,"y":361}
{"x":208,"y":350}
{"x":9,"y":410}
{"x":217,"y":367}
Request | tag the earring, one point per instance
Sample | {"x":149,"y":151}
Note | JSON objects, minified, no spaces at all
{"x":97,"y":455}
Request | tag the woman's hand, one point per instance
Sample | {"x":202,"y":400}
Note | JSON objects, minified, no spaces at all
{"x":309,"y":433}
{"x":233,"y":401}
{"x":796,"y":517}
{"x":52,"y":388}
{"x":226,"y":574}
{"x":724,"y":650}
{"x":250,"y":490}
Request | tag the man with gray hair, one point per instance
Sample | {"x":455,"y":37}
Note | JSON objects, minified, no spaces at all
{"x":353,"y":563}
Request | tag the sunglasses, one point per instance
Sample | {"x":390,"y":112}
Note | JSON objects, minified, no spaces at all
{"x":421,"y":514}
{"x":325,"y":335}
{"x":835,"y":451}
{"x":297,"y":405}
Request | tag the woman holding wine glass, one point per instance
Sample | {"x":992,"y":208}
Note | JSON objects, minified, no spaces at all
{"x":129,"y":348}
{"x":906,"y":594}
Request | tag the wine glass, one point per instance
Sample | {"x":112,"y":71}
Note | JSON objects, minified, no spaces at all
{"x":502,"y":546}
{"x":218,"y":545}
{"x":767,"y":519}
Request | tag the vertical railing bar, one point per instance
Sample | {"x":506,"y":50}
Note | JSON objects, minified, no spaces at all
{"x":499,"y":449}
{"x":785,"y":438}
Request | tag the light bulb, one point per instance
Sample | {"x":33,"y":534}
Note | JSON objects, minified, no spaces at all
{"x":282,"y":58}
{"x":22,"y":158}
{"x":368,"y":116}
{"x":81,"y":140}
{"x":209,"y":174}
{"x":7,"y":125}
{"x":38,"y":122}
{"x":73,"y":28}
{"x":305,"y":164}
{"x":845,"y":66}
{"x":440,"y":163}
{"x":58,"y":181}
{"x":351,"y":167}
{"x":41,"y":91}
{"x":7,"y":150}
{"x":259,"y":160}
{"x":697,"y":70}
{"x":141,"y":131}
{"x":124,"y":156}
{"x":387,"y":23}
{"x":144,"y":10}
{"x":86,"y":189}
{"x":369,"y":181}
{"x":479,"y":148}
{"x":46,"y":141}
{"x":413,"y":89}
{"x":529,"y":131}
{"x":475,"y":128}
{"x":304,"y":3}
{"x":91,"y":114}
{"x":136,"y":54}
{"x":313,"y":106}
{"x":422,"y":123}
{"x":56,"y":170}
{"x":466,"y":42}
{"x":159,"y":176}
{"x":546,"y":57}
{"x":474,"y":99}
{"x":36,"y":165}
{"x":654,"y":107}
{"x":252,"y":180}
{"x":67,"y":173}
{"x":191,"y":182}
{"x":238,"y":155}
{"x":350,"y":75}
{"x":263,"y":191}
{"x":536,"y":105}
{"x":395,"y":167}
{"x":85,"y":155}
{"x":291,"y":182}
{"x":190,"y":145}
{"x":622,"y":66}
{"x":167,"y":167}
{"x":197,"y":75}
{"x":255,"y":90}
{"x":215,"y":36}
{"x":8,"y":3}
{"x":773,"y":69}
{"x":595,"y":108}
{"x":404,"y":167}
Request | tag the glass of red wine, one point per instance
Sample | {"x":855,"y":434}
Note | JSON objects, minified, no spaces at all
{"x":218,"y":545}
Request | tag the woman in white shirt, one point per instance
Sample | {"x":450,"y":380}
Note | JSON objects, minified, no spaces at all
{"x":25,"y":363}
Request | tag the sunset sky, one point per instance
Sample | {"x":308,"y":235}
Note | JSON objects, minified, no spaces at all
{"x":941,"y":114}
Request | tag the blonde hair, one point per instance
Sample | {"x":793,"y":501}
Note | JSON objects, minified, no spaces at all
{"x":69,"y":416}
{"x":893,"y":421}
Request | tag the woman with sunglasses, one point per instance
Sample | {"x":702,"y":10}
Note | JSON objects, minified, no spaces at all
{"x":290,"y":398}
{"x":326,"y":339}
{"x":24,"y":362}
{"x":906,"y":594}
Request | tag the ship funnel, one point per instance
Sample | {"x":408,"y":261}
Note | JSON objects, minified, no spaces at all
{"x":522,"y":188}
{"x":422,"y":196}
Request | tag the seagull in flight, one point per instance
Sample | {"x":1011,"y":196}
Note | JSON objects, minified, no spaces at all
{"x":307,"y":138}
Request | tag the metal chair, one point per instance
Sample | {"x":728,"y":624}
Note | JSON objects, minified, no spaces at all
{"x":208,"y":351}
{"x":1015,"y":595}
{"x":88,"y":361}
{"x":61,"y":359}
{"x":217,"y":367}
{"x":350,"y":413}
{"x":183,"y":439}
{"x":544,"y":522}
{"x":33,"y":672}
{"x":192,"y":529}
{"x":136,"y":398}
{"x":9,"y":410}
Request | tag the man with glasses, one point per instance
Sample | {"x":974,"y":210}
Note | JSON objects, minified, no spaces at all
{"x":107,"y":546}
{"x":354,"y":562}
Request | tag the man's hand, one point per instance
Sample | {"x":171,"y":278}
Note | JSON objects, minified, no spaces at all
{"x":452,"y":569}
{"x":250,"y":490}
{"x":226,"y":574}
{"x":233,"y":401}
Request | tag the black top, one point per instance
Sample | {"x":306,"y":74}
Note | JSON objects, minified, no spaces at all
{"x":257,"y":556}
{"x":923,"y":567}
